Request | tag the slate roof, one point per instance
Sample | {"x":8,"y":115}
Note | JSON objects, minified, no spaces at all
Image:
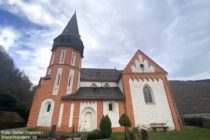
{"x":70,"y":36}
{"x":72,"y":27}
{"x":100,"y":75}
{"x":100,"y":93}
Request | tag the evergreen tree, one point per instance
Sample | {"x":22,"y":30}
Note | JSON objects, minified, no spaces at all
{"x":106,"y":127}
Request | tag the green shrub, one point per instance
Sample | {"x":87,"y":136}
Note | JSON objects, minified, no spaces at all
{"x":144,"y":134}
{"x":134,"y":134}
{"x":106,"y":127}
{"x":196,"y":121}
{"x":11,"y":124}
{"x":53,"y":131}
{"x":95,"y":134}
{"x":126,"y":122}
{"x":206,"y":122}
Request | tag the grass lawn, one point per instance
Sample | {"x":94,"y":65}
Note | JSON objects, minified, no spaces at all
{"x":189,"y":133}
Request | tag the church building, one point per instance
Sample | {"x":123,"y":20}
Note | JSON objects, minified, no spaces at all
{"x":72,"y":97}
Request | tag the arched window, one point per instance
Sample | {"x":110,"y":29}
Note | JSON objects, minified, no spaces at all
{"x":148,"y":96}
{"x":45,"y":113}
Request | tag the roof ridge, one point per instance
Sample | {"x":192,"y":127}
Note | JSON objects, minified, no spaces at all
{"x":101,"y":69}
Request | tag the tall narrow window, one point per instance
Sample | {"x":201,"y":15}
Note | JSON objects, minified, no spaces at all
{"x":53,"y":58}
{"x":58,"y":80}
{"x":110,"y":106}
{"x":48,"y":107}
{"x":148,"y":96}
{"x":69,"y":83}
{"x":73,"y":58}
{"x":62,"y":57}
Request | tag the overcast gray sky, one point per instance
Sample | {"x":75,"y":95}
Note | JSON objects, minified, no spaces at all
{"x":174,"y":33}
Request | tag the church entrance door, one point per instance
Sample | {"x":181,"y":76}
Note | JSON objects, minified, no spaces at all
{"x":88,"y":121}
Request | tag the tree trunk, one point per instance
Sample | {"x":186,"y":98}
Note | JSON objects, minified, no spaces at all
{"x":125,"y":133}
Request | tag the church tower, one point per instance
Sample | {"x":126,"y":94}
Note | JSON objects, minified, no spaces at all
{"x":62,"y":78}
{"x":67,"y":53}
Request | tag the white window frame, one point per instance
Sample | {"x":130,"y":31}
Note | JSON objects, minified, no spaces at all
{"x":71,"y":81}
{"x":43,"y":114}
{"x":53,"y":58}
{"x":62,"y":56}
{"x":71,"y":115}
{"x":73,"y":58}
{"x":60,"y":117}
{"x":57,"y":81}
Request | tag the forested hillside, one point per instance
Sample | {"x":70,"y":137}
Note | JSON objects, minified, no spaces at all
{"x":191,"y":97}
{"x":13,"y":81}
{"x":16,"y":93}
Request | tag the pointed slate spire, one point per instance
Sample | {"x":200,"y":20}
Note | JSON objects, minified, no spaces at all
{"x":72,"y":27}
{"x":70,"y":36}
